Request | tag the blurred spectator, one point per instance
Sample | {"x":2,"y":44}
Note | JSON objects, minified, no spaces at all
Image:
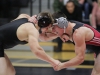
{"x":86,"y":7}
{"x":91,"y":1}
{"x":58,"y":4}
{"x":95,"y":17}
{"x":94,"y":20}
{"x":72,"y":11}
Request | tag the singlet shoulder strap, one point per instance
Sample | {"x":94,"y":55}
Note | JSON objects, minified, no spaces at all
{"x":78,"y":24}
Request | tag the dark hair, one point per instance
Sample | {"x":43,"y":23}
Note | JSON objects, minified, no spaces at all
{"x":44,"y":19}
{"x":70,"y":1}
{"x":57,"y":15}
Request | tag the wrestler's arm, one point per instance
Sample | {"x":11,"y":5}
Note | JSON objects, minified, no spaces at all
{"x":47,"y":36}
{"x":35,"y":47}
{"x":80,"y":48}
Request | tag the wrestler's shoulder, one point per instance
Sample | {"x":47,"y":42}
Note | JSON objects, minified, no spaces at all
{"x":30,"y":27}
{"x":80,"y":32}
{"x":23,"y":16}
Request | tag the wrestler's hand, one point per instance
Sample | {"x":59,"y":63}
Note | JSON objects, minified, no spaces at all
{"x":55,"y":64}
{"x":33,"y":19}
{"x":59,"y":67}
{"x":64,"y":38}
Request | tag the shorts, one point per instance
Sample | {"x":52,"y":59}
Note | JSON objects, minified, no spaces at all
{"x":95,"y":49}
{"x":1,"y":50}
{"x":98,"y":28}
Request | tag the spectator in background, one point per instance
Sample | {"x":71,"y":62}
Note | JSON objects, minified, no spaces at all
{"x":58,"y":4}
{"x":86,"y":7}
{"x":91,"y":2}
{"x":73,"y":12}
{"x":95,"y":17}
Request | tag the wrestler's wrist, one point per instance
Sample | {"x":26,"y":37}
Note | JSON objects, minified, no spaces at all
{"x":55,"y":62}
{"x":65,"y":65}
{"x":52,"y":62}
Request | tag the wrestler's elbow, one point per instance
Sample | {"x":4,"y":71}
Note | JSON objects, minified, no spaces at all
{"x":81,"y":59}
{"x":37,"y":50}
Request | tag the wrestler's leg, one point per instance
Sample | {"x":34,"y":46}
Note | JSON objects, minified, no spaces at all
{"x":6,"y":67}
{"x":96,"y":69}
{"x":93,"y":72}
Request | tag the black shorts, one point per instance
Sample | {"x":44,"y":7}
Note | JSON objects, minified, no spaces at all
{"x":1,"y":50}
{"x":98,"y":28}
{"x":95,"y":49}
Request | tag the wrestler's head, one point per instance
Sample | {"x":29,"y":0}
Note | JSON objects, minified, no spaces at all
{"x":45,"y":21}
{"x":60,"y":24}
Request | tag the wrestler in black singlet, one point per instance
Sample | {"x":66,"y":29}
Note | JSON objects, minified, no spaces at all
{"x":8,"y":36}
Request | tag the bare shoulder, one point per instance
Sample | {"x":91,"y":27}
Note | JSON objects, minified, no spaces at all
{"x":23,"y":16}
{"x":31,"y":30}
{"x":80,"y":31}
{"x":79,"y":34}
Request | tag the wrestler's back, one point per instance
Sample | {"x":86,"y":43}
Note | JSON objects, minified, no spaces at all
{"x":8,"y":33}
{"x":94,"y":40}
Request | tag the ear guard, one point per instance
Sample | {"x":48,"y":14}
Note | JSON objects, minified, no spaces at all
{"x":44,"y":21}
{"x":61,"y":22}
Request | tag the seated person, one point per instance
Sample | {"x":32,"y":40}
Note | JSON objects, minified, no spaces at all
{"x":95,"y":16}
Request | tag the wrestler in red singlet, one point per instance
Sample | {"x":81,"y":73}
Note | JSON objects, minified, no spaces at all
{"x":95,"y":41}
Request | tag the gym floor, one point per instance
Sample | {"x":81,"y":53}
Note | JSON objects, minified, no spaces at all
{"x":26,"y":63}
